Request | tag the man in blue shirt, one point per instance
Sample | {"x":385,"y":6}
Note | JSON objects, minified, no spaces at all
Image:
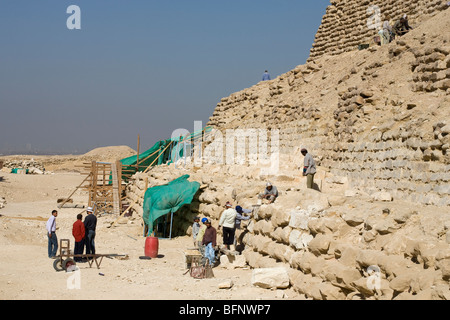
{"x":266,"y":76}
{"x":240,"y":216}
{"x":90,"y":225}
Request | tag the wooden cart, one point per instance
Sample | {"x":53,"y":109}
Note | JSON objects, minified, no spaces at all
{"x":65,"y":259}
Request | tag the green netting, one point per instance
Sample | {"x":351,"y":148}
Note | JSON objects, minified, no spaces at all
{"x":155,"y":157}
{"x":161,"y":200}
{"x":152,"y":157}
{"x":149,"y":156}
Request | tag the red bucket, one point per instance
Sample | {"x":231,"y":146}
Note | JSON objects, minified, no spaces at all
{"x":151,"y":247}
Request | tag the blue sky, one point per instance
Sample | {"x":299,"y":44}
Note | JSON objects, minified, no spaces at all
{"x":136,"y":67}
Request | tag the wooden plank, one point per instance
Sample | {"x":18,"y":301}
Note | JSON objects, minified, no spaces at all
{"x":137,"y":157}
{"x":162,"y":152}
{"x":115,"y":190}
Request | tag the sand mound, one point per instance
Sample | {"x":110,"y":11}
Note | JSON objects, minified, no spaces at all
{"x":110,"y":153}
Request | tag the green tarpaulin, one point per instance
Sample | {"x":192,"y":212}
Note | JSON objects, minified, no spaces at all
{"x":161,"y":200}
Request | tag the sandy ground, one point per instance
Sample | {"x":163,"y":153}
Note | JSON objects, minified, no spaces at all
{"x":27,"y":273}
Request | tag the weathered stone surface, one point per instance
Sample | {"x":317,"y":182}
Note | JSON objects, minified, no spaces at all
{"x":382,"y":196}
{"x":269,"y":278}
{"x":353,"y":218}
{"x":228,"y":284}
{"x":299,"y":239}
{"x":233,"y":261}
{"x":299,"y":219}
{"x":320,"y":244}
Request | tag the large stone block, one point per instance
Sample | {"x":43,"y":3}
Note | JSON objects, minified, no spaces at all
{"x":270,"y":278}
{"x":299,"y":219}
{"x":299,"y":239}
{"x":320,"y":244}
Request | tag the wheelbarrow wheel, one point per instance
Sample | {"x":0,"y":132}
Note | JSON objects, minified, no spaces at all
{"x":68,"y":263}
{"x":57,"y":264}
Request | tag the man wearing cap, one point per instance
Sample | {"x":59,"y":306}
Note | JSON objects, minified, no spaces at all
{"x":228,"y":220}
{"x":270,"y":193}
{"x":309,"y":168}
{"x":90,"y":224}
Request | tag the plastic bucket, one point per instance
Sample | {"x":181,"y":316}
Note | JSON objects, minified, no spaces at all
{"x":151,"y":247}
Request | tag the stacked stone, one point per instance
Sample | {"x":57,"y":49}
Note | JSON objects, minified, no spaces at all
{"x":350,"y":109}
{"x":431,"y":69}
{"x":31,"y":165}
{"x":344,"y":25}
{"x":395,"y":158}
{"x":330,"y":252}
{"x":333,"y":256}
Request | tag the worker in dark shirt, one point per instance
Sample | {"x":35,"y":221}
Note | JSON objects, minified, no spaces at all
{"x":402,"y":26}
{"x":90,"y":224}
{"x":209,"y":241}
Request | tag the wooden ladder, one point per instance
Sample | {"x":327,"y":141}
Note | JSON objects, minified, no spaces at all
{"x":116,"y":189}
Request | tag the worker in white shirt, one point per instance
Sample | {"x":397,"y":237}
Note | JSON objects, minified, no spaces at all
{"x":228,"y":220}
{"x":51,"y":234}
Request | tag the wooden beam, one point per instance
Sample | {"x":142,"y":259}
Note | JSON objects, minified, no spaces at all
{"x":137,"y":157}
{"x":128,"y":209}
{"x":67,"y":199}
{"x":162,"y":152}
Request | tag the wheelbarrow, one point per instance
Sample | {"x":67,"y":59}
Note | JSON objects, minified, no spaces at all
{"x":65,"y":259}
{"x":192,"y":256}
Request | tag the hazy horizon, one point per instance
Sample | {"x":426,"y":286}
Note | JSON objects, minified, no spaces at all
{"x":137,"y":67}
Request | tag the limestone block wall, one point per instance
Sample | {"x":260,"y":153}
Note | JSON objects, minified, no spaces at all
{"x":331,"y":254}
{"x":344,"y":25}
{"x":396,"y":156}
{"x":376,"y":117}
{"x":431,"y":69}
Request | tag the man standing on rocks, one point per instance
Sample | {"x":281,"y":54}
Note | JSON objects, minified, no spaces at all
{"x":239,"y":217}
{"x":266,"y":76}
{"x":51,"y":234}
{"x":309,"y":168}
{"x":90,"y":224}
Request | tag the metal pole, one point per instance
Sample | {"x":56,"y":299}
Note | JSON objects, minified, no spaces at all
{"x":171,"y":220}
{"x":184,"y":152}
